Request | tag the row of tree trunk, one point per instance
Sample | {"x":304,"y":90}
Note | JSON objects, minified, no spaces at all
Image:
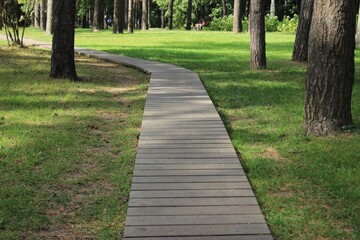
{"x":43,"y":12}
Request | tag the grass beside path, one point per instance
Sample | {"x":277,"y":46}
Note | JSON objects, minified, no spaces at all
{"x":66,"y":148}
{"x":308,"y":188}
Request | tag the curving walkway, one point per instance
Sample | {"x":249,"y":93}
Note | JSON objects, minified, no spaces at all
{"x":187,"y":182}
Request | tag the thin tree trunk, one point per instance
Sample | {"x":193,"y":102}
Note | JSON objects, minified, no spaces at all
{"x":144,"y":15}
{"x":37,"y":15}
{"x":257,"y":35}
{"x":62,"y":57}
{"x":300,"y":52}
{"x":171,"y":12}
{"x":188,"y":15}
{"x":118,"y":16}
{"x":43,"y":15}
{"x":148,"y":13}
{"x":49,"y":22}
{"x":272,"y":8}
{"x":131,"y":17}
{"x":357,"y":36}
{"x":224,"y":10}
{"x":162,"y":18}
{"x":237,"y":23}
{"x":330,"y":75}
{"x":96,"y":20}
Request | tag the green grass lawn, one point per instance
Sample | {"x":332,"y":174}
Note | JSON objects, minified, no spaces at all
{"x":66,"y":148}
{"x":309,"y":188}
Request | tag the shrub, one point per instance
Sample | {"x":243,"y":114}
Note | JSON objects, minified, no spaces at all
{"x":271,"y":23}
{"x":222,"y":24}
{"x":288,"y":24}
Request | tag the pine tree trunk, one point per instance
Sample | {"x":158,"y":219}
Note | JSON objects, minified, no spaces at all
{"x":224,"y":10}
{"x":162,"y":18}
{"x":171,"y":12}
{"x":118,"y":16}
{"x":237,"y":23}
{"x":144,"y":15}
{"x":49,"y":22}
{"x":188,"y":15}
{"x":257,"y":34}
{"x":62,"y":57}
{"x":272,"y":8}
{"x":357,"y":36}
{"x":37,"y":15}
{"x":43,"y":15}
{"x":330,"y":75}
{"x":96,"y":17}
{"x":131,"y":17}
{"x":300,"y":52}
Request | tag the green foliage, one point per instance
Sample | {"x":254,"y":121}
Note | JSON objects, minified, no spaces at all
{"x":271,"y":23}
{"x":288,"y":24}
{"x":221,"y":24}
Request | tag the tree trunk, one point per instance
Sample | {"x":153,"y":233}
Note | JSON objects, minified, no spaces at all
{"x":357,"y":36}
{"x":118,"y":16}
{"x":162,"y":18}
{"x":272,"y":8}
{"x":257,"y":34}
{"x":171,"y":12}
{"x":37,"y":15}
{"x":188,"y":15}
{"x":224,"y":10}
{"x":300,"y":52}
{"x":237,"y":23}
{"x":96,"y":17}
{"x":43,"y":15}
{"x":144,"y":15}
{"x":330,"y":75}
{"x":131,"y":17}
{"x":49,"y":22}
{"x":62,"y":57}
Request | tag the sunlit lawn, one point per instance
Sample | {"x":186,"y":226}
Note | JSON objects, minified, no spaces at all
{"x":309,"y":188}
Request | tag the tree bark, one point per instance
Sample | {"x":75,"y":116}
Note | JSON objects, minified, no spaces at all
{"x":118,"y":16}
{"x":272,"y":8}
{"x":62,"y":57}
{"x":96,"y":17}
{"x":257,"y":34}
{"x":171,"y":12}
{"x":330,"y":75}
{"x":49,"y":22}
{"x":237,"y":23}
{"x":357,"y":36}
{"x":37,"y":15}
{"x":188,"y":15}
{"x":224,"y":10}
{"x":43,"y":15}
{"x":300,"y":53}
{"x":131,"y":17}
{"x":144,"y":15}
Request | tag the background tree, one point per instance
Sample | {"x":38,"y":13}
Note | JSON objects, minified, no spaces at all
{"x":130,"y":24}
{"x":96,"y":19}
{"x":272,"y":8}
{"x":357,"y":36}
{"x":171,"y":14}
{"x":144,"y":15}
{"x":43,"y":15}
{"x":118,"y":16}
{"x":49,"y":20}
{"x":37,"y":14}
{"x":300,"y":52}
{"x":188,"y":15}
{"x":257,"y":35}
{"x":237,"y":23}
{"x":62,"y":55}
{"x":330,"y":73}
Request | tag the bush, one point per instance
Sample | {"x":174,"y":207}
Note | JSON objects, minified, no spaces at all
{"x":288,"y":24}
{"x":221,"y":24}
{"x":271,"y":23}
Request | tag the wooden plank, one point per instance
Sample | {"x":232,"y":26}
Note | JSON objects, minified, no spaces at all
{"x":218,"y":237}
{"x":193,"y":220}
{"x":195,"y":230}
{"x":182,"y":202}
{"x":165,"y":145}
{"x":188,"y":161}
{"x":186,"y":166}
{"x":181,"y":179}
{"x":192,"y":193}
{"x":221,"y":172}
{"x":185,"y":155}
{"x":186,"y":150}
{"x":190,"y":186}
{"x":197,"y":210}
{"x":185,"y":141}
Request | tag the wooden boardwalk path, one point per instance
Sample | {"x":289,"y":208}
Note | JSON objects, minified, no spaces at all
{"x":187,"y":183}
